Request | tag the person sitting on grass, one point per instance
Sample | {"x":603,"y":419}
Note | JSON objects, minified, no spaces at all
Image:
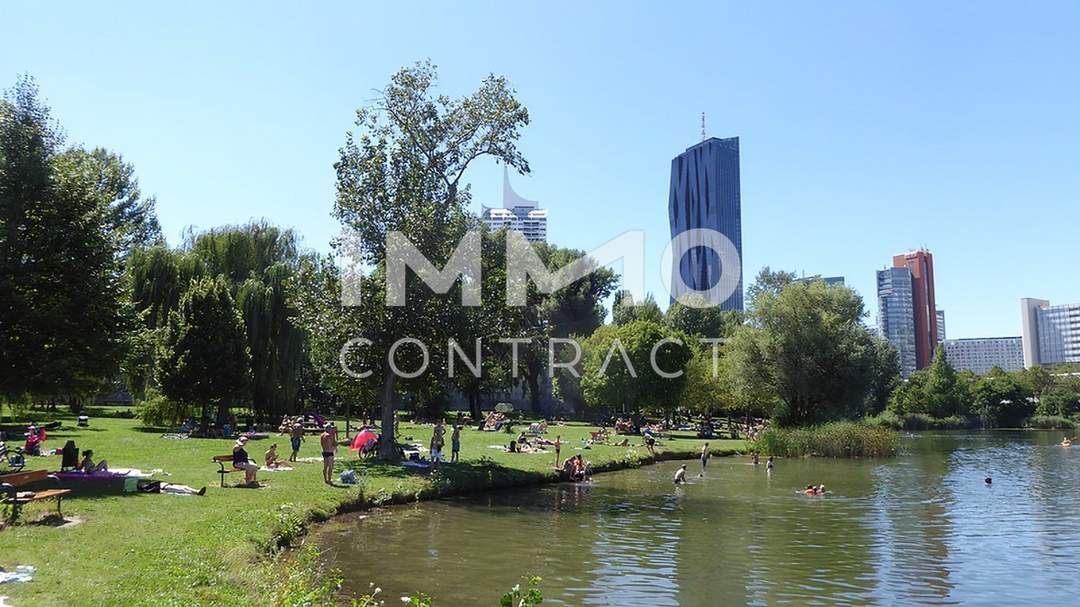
{"x":88,"y":466}
{"x":272,"y":459}
{"x":241,"y":461}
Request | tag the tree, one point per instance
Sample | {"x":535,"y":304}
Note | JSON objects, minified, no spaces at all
{"x":768,"y":281}
{"x":944,"y":393}
{"x":203,"y":357}
{"x":625,"y":311}
{"x":885,"y":375}
{"x":637,"y":385}
{"x":403,"y":173}
{"x":699,"y":320}
{"x":807,"y":348}
{"x":62,"y":318}
{"x":1000,"y":400}
{"x":574,"y":310}
{"x":258,"y":262}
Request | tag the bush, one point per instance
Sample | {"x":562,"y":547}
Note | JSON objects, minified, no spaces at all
{"x":1050,"y":422}
{"x":158,"y":411}
{"x":920,"y":421}
{"x":834,"y":439}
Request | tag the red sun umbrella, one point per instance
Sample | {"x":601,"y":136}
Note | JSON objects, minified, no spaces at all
{"x":362,"y":439}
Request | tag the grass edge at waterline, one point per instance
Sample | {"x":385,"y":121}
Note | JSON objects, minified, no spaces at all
{"x":832,"y":439}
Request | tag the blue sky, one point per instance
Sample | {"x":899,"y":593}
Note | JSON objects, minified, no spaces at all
{"x":867,"y":128}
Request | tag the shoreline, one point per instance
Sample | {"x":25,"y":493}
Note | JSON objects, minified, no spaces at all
{"x":521,"y":479}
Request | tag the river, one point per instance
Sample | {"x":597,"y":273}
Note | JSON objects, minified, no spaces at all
{"x":921,"y":528}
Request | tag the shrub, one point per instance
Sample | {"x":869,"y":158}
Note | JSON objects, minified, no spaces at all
{"x":308,"y":584}
{"x":834,"y":439}
{"x":1050,"y":422}
{"x":158,"y":411}
{"x":920,"y":421}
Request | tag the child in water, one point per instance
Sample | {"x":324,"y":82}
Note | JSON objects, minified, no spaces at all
{"x":680,"y":475}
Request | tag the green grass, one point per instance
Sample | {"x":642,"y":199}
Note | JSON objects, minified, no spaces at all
{"x":215,"y":550}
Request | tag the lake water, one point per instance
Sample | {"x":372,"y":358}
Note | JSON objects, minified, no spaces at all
{"x":918,"y":529}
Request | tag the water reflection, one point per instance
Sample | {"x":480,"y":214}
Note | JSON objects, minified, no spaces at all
{"x":918,"y":529}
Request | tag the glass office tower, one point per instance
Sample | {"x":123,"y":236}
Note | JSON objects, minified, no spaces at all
{"x":705,"y":194}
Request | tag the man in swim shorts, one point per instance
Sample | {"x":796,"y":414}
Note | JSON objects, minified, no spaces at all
{"x":328,"y":442}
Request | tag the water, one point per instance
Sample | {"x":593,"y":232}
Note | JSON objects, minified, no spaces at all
{"x":918,"y":529}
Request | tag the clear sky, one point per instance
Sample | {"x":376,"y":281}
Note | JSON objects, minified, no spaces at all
{"x":867,"y":128}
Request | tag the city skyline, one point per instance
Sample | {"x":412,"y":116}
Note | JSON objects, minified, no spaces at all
{"x":841,"y":164}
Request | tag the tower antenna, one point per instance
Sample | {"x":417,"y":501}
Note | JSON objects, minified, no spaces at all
{"x":703,"y":126}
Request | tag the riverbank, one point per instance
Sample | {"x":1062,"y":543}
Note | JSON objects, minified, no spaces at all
{"x":158,"y":549}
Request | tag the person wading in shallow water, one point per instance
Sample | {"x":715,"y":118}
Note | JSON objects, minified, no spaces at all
{"x":704,"y":458}
{"x":680,"y":475}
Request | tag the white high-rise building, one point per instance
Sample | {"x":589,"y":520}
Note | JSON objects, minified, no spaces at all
{"x":981,"y":354}
{"x":1051,"y":334}
{"x":940,"y":326}
{"x":517,"y":214}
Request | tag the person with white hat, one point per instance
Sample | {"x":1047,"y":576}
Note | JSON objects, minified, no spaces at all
{"x":241,"y":461}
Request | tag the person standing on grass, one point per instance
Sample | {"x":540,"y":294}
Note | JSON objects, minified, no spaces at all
{"x":455,"y":443}
{"x":436,"y":445}
{"x":296,"y":435}
{"x":558,"y":446}
{"x":704,"y":458}
{"x":328,"y":442}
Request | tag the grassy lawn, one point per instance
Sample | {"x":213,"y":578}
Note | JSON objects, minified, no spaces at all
{"x":158,"y":549}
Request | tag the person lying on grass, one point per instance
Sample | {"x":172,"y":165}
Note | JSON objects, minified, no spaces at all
{"x":241,"y":461}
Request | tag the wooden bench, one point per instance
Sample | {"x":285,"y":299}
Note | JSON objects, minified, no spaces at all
{"x":9,"y":484}
{"x":221,"y":461}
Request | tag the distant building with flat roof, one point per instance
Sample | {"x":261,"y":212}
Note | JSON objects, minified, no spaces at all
{"x":981,"y":354}
{"x":1050,"y":334}
{"x":517,"y":214}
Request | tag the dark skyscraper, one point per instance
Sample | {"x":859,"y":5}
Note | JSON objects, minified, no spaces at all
{"x":705,"y":195}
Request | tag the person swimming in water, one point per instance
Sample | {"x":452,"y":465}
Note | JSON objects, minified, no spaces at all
{"x":820,"y":490}
{"x":680,"y":475}
{"x":1066,"y":442}
{"x":810,"y":490}
{"x":988,"y":481}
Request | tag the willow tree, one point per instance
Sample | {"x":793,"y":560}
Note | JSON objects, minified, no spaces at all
{"x":403,"y":172}
{"x":256,"y":261}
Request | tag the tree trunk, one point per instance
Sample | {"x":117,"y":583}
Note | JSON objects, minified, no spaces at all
{"x":474,"y":404}
{"x":388,"y":444}
{"x":533,"y":381}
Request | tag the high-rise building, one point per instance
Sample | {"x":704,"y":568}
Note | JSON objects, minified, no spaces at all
{"x":705,"y":194}
{"x":921,"y":265}
{"x":981,"y":354}
{"x":1050,"y":334}
{"x":517,"y":214}
{"x":896,"y":316}
{"x":940,"y":326}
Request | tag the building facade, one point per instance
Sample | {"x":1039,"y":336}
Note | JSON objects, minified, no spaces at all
{"x":517,"y":214}
{"x":896,"y":315}
{"x":941,"y":326}
{"x":981,"y":354}
{"x":705,"y":194}
{"x":1050,"y":334}
{"x":921,"y":265}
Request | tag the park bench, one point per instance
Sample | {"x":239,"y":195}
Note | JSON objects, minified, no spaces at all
{"x":10,"y":483}
{"x":225,"y":466}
